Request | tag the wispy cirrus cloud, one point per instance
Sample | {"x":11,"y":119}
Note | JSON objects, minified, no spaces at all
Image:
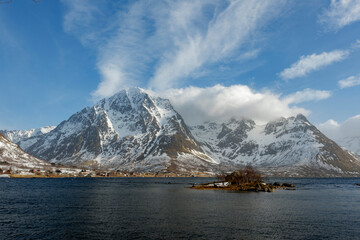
{"x":81,"y":18}
{"x":309,"y":63}
{"x":227,"y":31}
{"x":340,"y":14}
{"x":349,"y":82}
{"x":307,"y":95}
{"x":166,"y":42}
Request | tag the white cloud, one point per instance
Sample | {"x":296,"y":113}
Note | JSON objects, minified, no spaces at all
{"x":307,"y":95}
{"x":249,"y":55}
{"x":336,"y":131}
{"x":226,"y":33}
{"x":349,"y":82}
{"x":168,"y":42}
{"x":219,"y":103}
{"x":341,"y":13}
{"x":313,"y":62}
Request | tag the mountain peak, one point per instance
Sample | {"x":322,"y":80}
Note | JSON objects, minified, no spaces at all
{"x":301,"y":117}
{"x":136,"y":90}
{"x":129,"y":92}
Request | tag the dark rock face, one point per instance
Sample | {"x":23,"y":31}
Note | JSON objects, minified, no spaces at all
{"x":273,"y":126}
{"x":249,"y":148}
{"x":238,"y":133}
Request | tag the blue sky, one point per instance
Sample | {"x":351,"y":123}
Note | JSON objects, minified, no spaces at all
{"x":219,"y":58}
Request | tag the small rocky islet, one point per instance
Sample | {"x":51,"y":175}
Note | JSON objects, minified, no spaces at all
{"x":248,"y":187}
{"x":245,"y":180}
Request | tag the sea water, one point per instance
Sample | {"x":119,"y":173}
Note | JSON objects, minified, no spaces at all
{"x":165,"y":208}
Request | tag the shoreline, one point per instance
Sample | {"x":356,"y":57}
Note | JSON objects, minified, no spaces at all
{"x":150,"y":176}
{"x":135,"y":176}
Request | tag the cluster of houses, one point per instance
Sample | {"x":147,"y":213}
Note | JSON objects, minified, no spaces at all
{"x":5,"y":171}
{"x":71,"y":172}
{"x":46,"y":172}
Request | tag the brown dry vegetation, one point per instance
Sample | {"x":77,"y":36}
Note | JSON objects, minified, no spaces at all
{"x":246,"y":179}
{"x":242,"y":176}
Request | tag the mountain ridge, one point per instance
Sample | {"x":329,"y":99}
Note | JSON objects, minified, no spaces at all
{"x":134,"y":130}
{"x":291,"y":144}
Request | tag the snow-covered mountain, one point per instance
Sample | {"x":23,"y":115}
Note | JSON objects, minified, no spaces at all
{"x":17,"y":136}
{"x":11,"y":155}
{"x":134,"y":130}
{"x":289,"y":146}
{"x":130,"y":130}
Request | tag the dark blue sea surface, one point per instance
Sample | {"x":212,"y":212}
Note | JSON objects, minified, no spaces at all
{"x":150,"y":208}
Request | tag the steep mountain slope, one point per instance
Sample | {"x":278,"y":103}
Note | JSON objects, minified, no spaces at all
{"x":288,"y":147}
{"x":11,"y":155}
{"x":128,"y":130}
